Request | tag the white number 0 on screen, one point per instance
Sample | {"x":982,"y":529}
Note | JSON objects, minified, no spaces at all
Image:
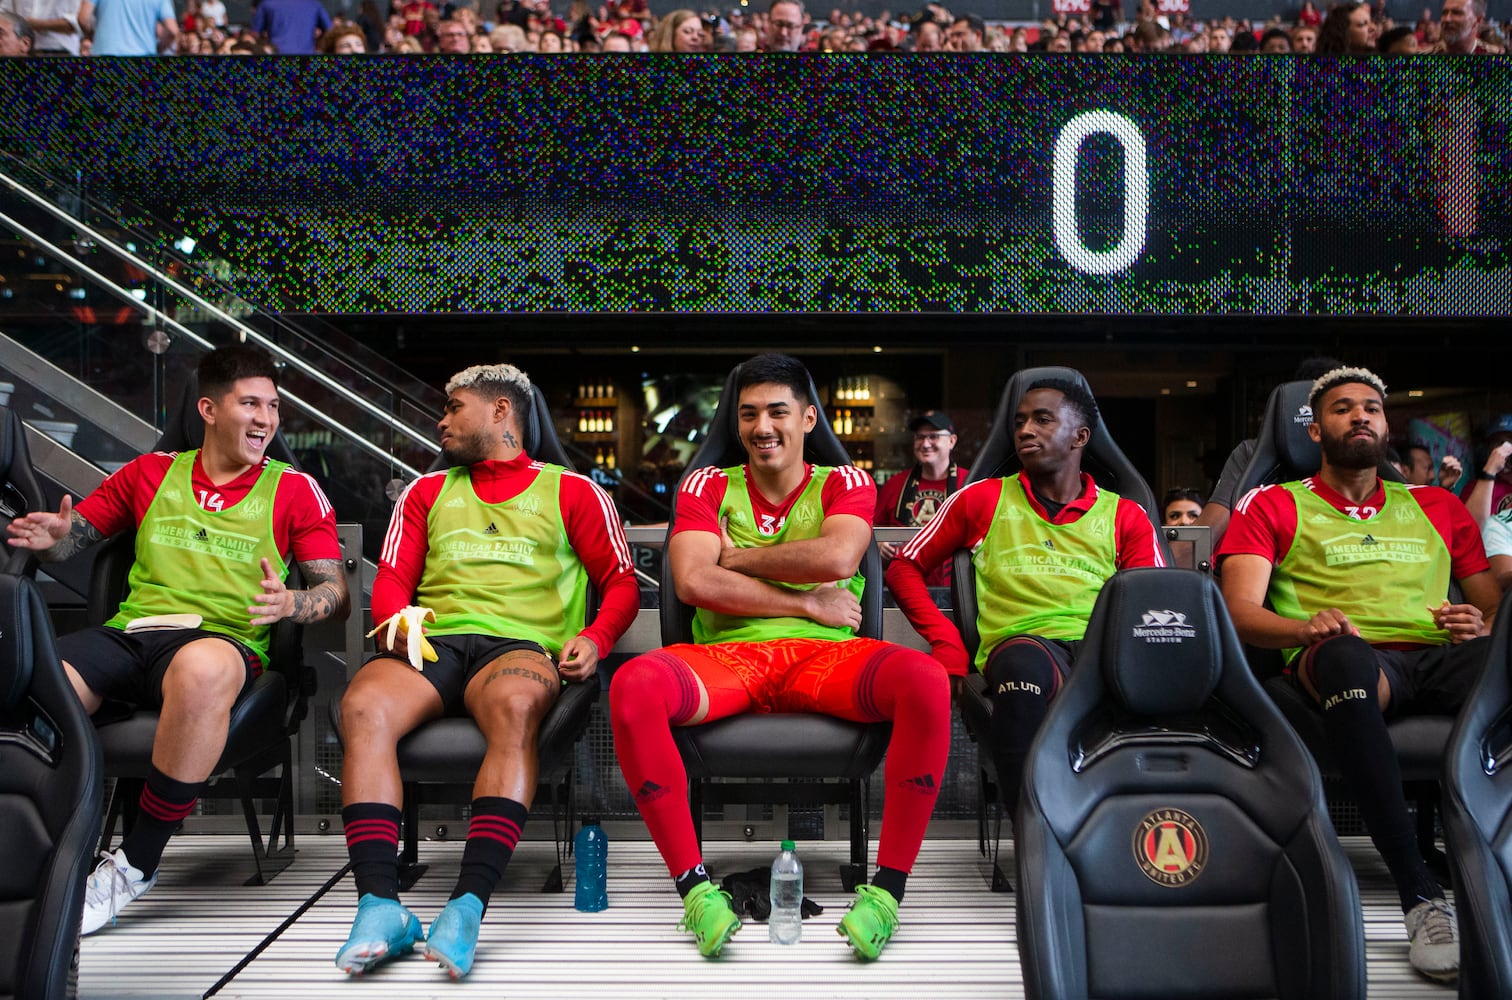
{"x":1136,"y":192}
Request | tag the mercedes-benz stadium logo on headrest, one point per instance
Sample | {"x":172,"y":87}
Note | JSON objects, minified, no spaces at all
{"x":1171,"y":847}
{"x":1304,"y":415}
{"x":1164,"y":626}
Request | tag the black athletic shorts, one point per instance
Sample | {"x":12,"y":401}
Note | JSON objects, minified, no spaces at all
{"x":126,"y":667}
{"x":1430,"y":680}
{"x":459,"y":658}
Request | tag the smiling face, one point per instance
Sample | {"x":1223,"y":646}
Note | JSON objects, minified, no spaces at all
{"x":1349,"y":424}
{"x":773,"y":422}
{"x":239,"y":425}
{"x":1047,"y":431}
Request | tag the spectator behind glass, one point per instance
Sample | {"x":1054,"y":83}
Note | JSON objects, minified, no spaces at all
{"x":747,"y":39}
{"x":679,"y":31}
{"x":54,"y":24}
{"x":346,"y":40}
{"x":1304,"y":39}
{"x":1309,"y":15}
{"x":130,"y":27}
{"x":16,"y":36}
{"x":1275,"y":42}
{"x":617,"y":42}
{"x":1348,"y":30}
{"x":784,"y":27}
{"x":1181,"y":506}
{"x":927,"y":37}
{"x":1399,"y":41}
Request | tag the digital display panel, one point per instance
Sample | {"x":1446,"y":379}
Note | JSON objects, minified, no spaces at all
{"x":1013,"y":184}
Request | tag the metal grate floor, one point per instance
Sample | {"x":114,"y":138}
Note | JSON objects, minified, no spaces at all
{"x":956,"y":939}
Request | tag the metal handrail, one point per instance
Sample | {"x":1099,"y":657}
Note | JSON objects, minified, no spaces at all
{"x":425,"y":440}
{"x":158,"y":316}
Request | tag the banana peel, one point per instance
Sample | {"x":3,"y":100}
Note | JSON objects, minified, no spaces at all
{"x":408,"y":624}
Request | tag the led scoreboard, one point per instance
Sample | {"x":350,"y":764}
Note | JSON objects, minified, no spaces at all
{"x":1034,"y":185}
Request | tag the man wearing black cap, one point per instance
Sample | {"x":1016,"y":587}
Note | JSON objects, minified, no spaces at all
{"x":911,"y":499}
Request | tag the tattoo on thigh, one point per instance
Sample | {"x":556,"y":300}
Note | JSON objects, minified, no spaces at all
{"x":535,"y":675}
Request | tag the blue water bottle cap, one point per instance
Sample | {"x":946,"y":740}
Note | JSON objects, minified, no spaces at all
{"x":788,"y":845}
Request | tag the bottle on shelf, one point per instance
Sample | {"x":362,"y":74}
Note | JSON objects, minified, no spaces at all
{"x":609,"y":459}
{"x":609,"y":421}
{"x":839,"y":422}
{"x":850,"y":425}
{"x":582,"y":421}
{"x":591,"y":848}
{"x":785,"y":925}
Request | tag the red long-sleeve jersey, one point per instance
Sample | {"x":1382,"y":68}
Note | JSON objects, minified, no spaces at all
{"x":963,"y":521}
{"x":588,"y":515}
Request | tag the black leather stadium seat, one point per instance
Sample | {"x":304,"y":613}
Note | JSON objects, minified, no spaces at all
{"x":20,"y":490}
{"x":802,"y":754}
{"x":448,"y":752}
{"x":1284,"y":453}
{"x":1477,"y":806}
{"x":49,"y":803}
{"x":1172,"y":838}
{"x":1111,"y":469}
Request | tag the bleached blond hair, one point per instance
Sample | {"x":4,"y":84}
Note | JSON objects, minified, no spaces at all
{"x":1343,"y":376}
{"x":493,"y":381}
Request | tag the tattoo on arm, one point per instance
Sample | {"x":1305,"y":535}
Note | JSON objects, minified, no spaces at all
{"x":325,"y":595}
{"x":509,"y":439}
{"x":81,"y":535}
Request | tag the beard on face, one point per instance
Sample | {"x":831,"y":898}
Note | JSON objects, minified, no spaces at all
{"x":1344,"y":453}
{"x":469,"y":450}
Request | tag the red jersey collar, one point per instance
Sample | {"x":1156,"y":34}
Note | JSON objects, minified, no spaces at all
{"x":1079,"y":506}
{"x":757,"y":497}
{"x":1340,"y":502}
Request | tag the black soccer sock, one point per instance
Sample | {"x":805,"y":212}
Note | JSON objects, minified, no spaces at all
{"x":162,"y":806}
{"x":689,"y":879}
{"x":491,"y":839}
{"x":893,"y":880}
{"x":1344,"y":672}
{"x":372,"y":836}
{"x":1021,"y":678}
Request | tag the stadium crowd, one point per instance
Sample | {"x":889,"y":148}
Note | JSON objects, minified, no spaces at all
{"x":457,"y":27}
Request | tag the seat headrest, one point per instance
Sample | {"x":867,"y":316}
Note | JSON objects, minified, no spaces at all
{"x":1162,"y":649}
{"x":722,"y":449}
{"x":1297,"y":453}
{"x":16,"y":594}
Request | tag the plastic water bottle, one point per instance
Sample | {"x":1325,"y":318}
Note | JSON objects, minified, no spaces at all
{"x":785,"y":925}
{"x":591,"y":849}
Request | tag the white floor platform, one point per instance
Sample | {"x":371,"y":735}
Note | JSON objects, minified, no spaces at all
{"x":956,"y":939}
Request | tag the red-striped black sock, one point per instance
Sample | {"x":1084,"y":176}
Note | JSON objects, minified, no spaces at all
{"x":162,"y":806}
{"x":372,"y":836}
{"x":491,"y":839}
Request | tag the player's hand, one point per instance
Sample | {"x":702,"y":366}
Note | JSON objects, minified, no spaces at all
{"x":407,"y":625}
{"x":42,"y":529}
{"x":1324,"y":625}
{"x":1449,"y":471}
{"x":888,"y":550}
{"x":579,"y":659}
{"x":727,"y":546}
{"x":275,"y":603}
{"x":1463,"y":622}
{"x":1496,"y":462}
{"x":834,"y":605}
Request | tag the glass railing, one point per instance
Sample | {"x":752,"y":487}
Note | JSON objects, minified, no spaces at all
{"x":134,"y":335}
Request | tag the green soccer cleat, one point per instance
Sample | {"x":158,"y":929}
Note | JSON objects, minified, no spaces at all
{"x":707,"y":915}
{"x":870,"y":922}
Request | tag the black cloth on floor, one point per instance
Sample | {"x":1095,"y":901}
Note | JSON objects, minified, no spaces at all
{"x":751,"y":895}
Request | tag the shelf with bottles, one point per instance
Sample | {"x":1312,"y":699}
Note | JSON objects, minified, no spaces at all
{"x":596,"y":394}
{"x":861,"y":453}
{"x":852,"y":423}
{"x":595,"y":425}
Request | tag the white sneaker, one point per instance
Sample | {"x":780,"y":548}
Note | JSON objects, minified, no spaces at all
{"x":113,"y":884}
{"x":1434,"y":934}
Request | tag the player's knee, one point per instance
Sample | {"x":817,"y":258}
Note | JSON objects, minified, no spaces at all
{"x":366,"y":710}
{"x":1343,"y":668}
{"x":919,"y":678}
{"x":514,"y":711}
{"x":205,"y":676}
{"x":1021,"y":669}
{"x":639,"y":685}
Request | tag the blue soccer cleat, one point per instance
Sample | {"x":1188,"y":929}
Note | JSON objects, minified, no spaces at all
{"x":453,"y":937}
{"x":383,"y":929}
